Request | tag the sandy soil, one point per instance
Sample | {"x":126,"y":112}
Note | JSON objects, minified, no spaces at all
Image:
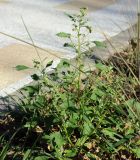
{"x":18,"y":54}
{"x":91,"y":4}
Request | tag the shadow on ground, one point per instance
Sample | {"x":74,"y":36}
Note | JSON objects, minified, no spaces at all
{"x":7,"y":105}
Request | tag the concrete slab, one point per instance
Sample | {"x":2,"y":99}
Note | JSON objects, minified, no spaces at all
{"x":45,"y":18}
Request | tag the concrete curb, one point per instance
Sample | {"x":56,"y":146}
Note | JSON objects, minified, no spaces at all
{"x":114,"y":45}
{"x":5,"y":92}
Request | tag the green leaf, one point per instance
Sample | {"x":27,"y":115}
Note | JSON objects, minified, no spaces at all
{"x":122,"y":141}
{"x":31,"y":90}
{"x":137,"y":152}
{"x":83,"y":11}
{"x":49,"y":64}
{"x":30,"y":124}
{"x":63,"y":35}
{"x":92,"y":156}
{"x":137,"y":107}
{"x":81,"y":141}
{"x":102,"y":67}
{"x":58,"y":139}
{"x":42,"y":158}
{"x":4,"y":151}
{"x":110,"y":133}
{"x":138,"y":142}
{"x":89,"y":28}
{"x":27,"y":154}
{"x":46,"y":137}
{"x":68,"y":45}
{"x":129,"y":131}
{"x":35,"y":77}
{"x":65,"y":63}
{"x":133,"y":108}
{"x":97,"y":93}
{"x":94,"y":97}
{"x":87,"y":128}
{"x":71,"y":153}
{"x":21,"y":67}
{"x":99,"y":44}
{"x":69,"y":15}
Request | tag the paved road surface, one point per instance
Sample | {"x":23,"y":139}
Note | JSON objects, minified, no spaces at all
{"x":45,"y":18}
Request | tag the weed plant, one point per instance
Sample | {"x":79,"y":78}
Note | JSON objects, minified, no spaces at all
{"x":73,"y":114}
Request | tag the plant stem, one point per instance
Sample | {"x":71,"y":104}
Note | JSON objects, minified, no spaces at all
{"x":79,"y":58}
